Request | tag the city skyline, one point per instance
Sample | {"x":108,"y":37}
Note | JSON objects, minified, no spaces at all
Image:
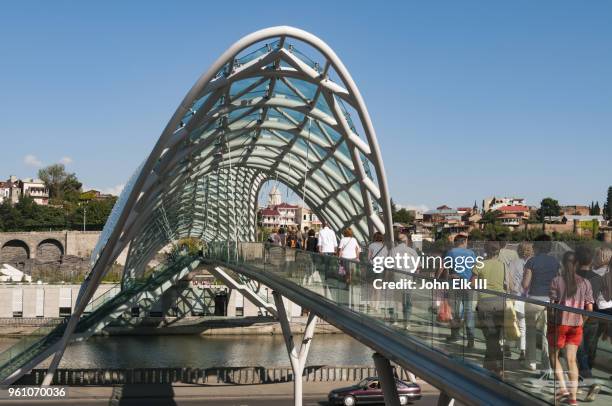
{"x":523,"y":111}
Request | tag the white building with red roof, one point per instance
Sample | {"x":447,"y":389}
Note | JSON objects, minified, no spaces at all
{"x":280,"y":214}
{"x":513,"y":216}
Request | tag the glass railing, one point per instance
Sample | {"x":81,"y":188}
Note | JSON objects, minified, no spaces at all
{"x":32,"y":344}
{"x":500,"y":334}
{"x":105,"y":303}
{"x":38,"y":338}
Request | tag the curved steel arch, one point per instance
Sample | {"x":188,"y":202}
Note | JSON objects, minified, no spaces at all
{"x":263,"y":110}
{"x":265,"y":106}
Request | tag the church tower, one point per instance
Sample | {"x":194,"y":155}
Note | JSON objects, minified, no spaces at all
{"x":274,"y":198}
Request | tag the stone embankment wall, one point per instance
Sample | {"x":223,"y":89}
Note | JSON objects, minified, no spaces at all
{"x":215,"y":375}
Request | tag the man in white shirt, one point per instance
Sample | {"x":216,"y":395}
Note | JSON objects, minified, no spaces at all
{"x":403,"y":248}
{"x":328,"y":242}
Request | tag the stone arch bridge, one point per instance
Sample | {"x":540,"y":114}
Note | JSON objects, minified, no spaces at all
{"x":46,"y":246}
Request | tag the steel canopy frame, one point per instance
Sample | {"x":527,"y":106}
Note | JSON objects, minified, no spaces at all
{"x":263,"y":111}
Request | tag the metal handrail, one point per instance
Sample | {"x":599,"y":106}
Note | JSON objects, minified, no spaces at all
{"x":504,"y":295}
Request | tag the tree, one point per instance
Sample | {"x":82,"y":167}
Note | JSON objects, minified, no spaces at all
{"x":608,"y":205}
{"x":596,"y":209}
{"x":548,"y":207}
{"x":62,"y":185}
{"x":491,"y":217}
{"x":96,"y":215}
{"x":11,"y":217}
{"x":403,"y":216}
{"x":393,"y":208}
{"x":490,"y":232}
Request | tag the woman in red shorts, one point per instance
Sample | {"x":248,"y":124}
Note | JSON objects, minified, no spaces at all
{"x":569,"y":290}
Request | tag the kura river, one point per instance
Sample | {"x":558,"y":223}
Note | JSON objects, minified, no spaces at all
{"x":205,"y":351}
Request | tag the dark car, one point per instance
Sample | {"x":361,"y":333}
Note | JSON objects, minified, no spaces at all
{"x":370,"y":391}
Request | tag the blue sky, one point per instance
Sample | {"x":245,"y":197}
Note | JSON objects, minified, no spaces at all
{"x":469,"y":99}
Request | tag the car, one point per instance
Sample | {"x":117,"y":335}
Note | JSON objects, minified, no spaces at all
{"x":370,"y":391}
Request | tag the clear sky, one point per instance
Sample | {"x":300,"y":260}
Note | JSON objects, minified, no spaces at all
{"x":469,"y":99}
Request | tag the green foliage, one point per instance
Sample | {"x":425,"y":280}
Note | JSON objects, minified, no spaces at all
{"x":263,"y":233}
{"x":190,"y":246}
{"x":403,"y":216}
{"x":608,"y":205}
{"x":62,"y":185}
{"x":493,"y":233}
{"x":26,"y":215}
{"x":95,"y":213}
{"x":491,"y":217}
{"x":549,"y":207}
{"x":490,"y":232}
{"x":440,"y":245}
{"x":65,"y":209}
{"x":400,"y":215}
{"x":11,"y":218}
{"x":525,"y":235}
{"x":393,"y":208}
{"x":565,"y":236}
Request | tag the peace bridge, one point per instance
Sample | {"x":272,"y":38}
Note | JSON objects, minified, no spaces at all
{"x":278,"y":105}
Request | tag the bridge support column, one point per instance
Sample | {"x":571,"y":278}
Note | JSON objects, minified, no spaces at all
{"x":296,"y":357}
{"x":445,"y":400}
{"x":387,"y":380}
{"x":252,"y":296}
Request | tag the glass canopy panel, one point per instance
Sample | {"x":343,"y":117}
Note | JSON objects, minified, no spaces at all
{"x":367,"y":166}
{"x":307,"y":89}
{"x":261,"y":51}
{"x":304,"y":58}
{"x":282,"y":90}
{"x":323,"y":106}
{"x":344,"y":149}
{"x":295,"y":115}
{"x":347,"y":115}
{"x":240,"y":86}
{"x":333,"y":134}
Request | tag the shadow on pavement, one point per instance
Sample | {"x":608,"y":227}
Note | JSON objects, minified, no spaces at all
{"x":128,"y":394}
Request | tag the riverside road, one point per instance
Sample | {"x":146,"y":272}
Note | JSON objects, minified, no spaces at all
{"x":315,"y":393}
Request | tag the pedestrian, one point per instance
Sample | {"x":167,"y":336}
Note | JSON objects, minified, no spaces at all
{"x":282,"y":237}
{"x":292,"y":239}
{"x":312,"y":241}
{"x":570,"y":290}
{"x":539,"y":272}
{"x":349,"y":246}
{"x":515,"y":271}
{"x":506,"y":255}
{"x":587,"y":350}
{"x":305,"y":234}
{"x":327,"y":242}
{"x":299,"y":238}
{"x":404,"y":249}
{"x":490,"y":308}
{"x":274,"y":238}
{"x":603,"y":256}
{"x":377,"y":247}
{"x":348,"y":251}
{"x":461,"y":300}
{"x":604,"y":300}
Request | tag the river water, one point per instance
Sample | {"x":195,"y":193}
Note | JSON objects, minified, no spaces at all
{"x":206,"y":351}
